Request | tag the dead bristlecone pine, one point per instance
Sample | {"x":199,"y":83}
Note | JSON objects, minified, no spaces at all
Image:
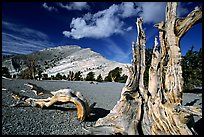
{"x":157,"y":109}
{"x":62,"y":96}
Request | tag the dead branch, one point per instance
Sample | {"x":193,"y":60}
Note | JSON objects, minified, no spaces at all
{"x":158,"y":109}
{"x":61,"y":96}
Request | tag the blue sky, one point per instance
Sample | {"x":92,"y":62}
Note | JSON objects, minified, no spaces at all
{"x":106,"y":27}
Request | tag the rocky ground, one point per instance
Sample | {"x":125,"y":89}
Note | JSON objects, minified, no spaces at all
{"x":62,"y":120}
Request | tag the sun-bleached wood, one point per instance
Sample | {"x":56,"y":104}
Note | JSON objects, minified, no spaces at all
{"x":157,"y":110}
{"x":62,"y":96}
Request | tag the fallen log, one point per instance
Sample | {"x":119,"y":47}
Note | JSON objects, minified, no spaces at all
{"x":156,"y":110}
{"x":62,"y":96}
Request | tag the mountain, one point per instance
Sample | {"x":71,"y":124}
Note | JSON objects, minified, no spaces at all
{"x":63,"y":59}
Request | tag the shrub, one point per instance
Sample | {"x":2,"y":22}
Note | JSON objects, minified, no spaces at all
{"x":90,"y":76}
{"x":99,"y":78}
{"x":5,"y":72}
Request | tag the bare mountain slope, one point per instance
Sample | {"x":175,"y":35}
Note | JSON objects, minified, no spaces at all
{"x":63,"y":59}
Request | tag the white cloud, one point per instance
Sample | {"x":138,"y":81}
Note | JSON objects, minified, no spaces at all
{"x":101,"y":24}
{"x":152,"y":12}
{"x":12,"y":44}
{"x":17,"y":39}
{"x":128,"y":9}
{"x":23,"y":30}
{"x":49,"y":8}
{"x":110,"y":21}
{"x":74,"y":6}
{"x":129,"y":28}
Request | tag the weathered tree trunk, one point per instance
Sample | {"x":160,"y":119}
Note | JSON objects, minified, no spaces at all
{"x":113,"y":78}
{"x":31,"y":64}
{"x":158,"y":109}
{"x":62,"y":96}
{"x":71,"y":76}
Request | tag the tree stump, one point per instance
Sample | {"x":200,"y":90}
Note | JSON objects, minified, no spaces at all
{"x":157,"y":110}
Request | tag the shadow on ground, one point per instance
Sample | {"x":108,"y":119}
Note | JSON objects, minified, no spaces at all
{"x":198,"y":127}
{"x":60,"y":108}
{"x":195,"y":91}
{"x":96,"y":114}
{"x":191,"y":103}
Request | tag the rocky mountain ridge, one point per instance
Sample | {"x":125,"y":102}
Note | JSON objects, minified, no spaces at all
{"x":63,"y":59}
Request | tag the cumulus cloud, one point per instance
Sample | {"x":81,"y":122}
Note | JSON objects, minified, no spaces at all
{"x":103,"y":23}
{"x":128,"y":9}
{"x":110,"y":21}
{"x":152,"y":12}
{"x":49,"y":8}
{"x":17,"y":39}
{"x":74,"y":5}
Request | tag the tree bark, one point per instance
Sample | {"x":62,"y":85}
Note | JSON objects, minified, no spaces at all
{"x":62,"y":96}
{"x":113,"y":78}
{"x":71,"y":76}
{"x":158,"y":109}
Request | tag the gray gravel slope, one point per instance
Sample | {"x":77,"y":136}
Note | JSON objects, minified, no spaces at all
{"x":61,"y":120}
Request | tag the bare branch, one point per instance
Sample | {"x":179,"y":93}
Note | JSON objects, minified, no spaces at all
{"x":184,"y":24}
